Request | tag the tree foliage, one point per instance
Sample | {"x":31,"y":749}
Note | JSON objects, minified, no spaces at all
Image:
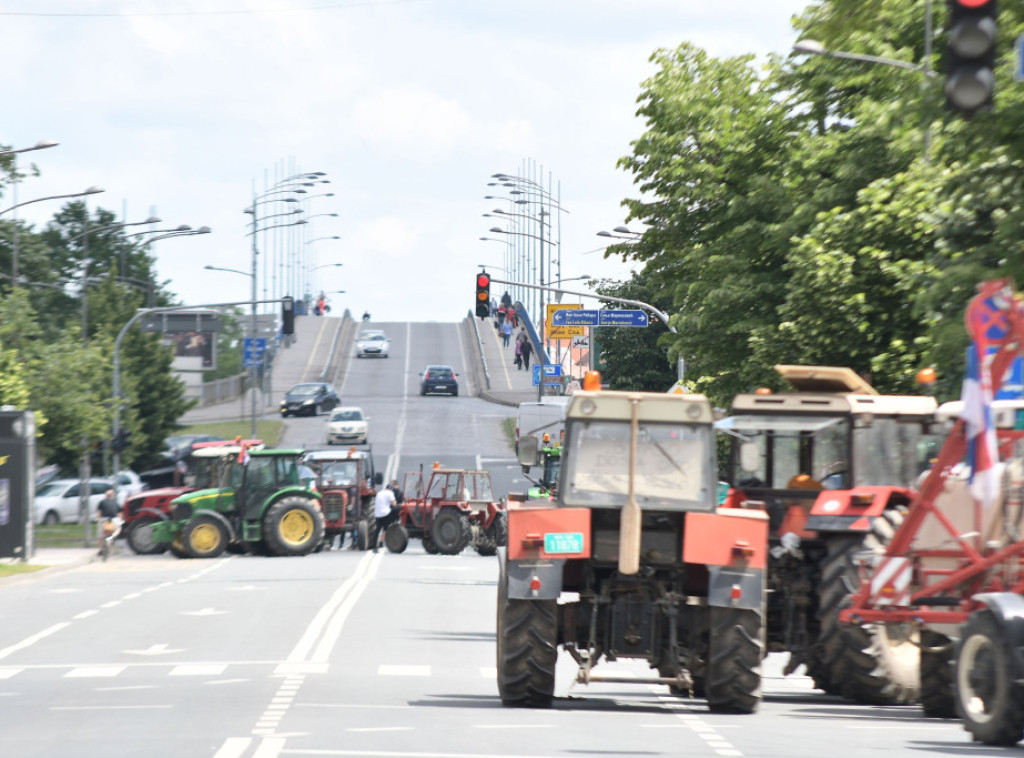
{"x":795,"y":215}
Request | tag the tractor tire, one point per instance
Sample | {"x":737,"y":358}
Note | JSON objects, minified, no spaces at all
{"x":362,"y":534}
{"x":293,"y":526}
{"x":428,"y":545}
{"x":735,"y":650}
{"x":495,"y":536}
{"x":204,"y":537}
{"x":178,"y":549}
{"x":873,"y":663}
{"x":937,"y":696}
{"x":989,"y":699}
{"x":396,"y":538}
{"x":140,"y":540}
{"x":450,"y":531}
{"x":527,"y":650}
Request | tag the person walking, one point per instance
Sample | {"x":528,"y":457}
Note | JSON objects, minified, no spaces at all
{"x":519,"y":355}
{"x":106,"y":511}
{"x":525,"y":348}
{"x":506,"y":334}
{"x":512,"y":316}
{"x":385,"y":510}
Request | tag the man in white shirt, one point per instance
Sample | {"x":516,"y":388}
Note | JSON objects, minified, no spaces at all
{"x":384,"y":511}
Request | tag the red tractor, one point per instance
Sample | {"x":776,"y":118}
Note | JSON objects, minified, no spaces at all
{"x":953,"y":572}
{"x":348,"y":483}
{"x":205,"y":468}
{"x":449,"y":510}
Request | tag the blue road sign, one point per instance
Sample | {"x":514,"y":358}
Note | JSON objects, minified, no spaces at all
{"x":566,"y":317}
{"x":253,"y":349}
{"x":552,"y":373}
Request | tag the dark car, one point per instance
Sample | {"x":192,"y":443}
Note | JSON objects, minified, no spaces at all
{"x":439,"y":379}
{"x":178,"y":448}
{"x":309,"y":399}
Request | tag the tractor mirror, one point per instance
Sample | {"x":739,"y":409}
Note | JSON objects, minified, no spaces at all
{"x":750,"y":457}
{"x":529,"y":450}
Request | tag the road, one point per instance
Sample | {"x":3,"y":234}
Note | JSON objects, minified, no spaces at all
{"x":346,"y":653}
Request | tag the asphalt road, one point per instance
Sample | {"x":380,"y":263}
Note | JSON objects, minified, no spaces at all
{"x":346,"y":653}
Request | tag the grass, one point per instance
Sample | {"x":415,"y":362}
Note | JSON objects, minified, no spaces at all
{"x":268,"y":430}
{"x":13,"y":569}
{"x":62,"y":535}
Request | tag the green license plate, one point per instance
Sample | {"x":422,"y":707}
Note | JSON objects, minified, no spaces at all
{"x":563,"y":542}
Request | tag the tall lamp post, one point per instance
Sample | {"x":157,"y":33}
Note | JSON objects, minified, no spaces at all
{"x":40,"y":145}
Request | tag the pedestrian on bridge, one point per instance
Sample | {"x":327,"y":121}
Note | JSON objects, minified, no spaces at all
{"x":525,"y":348}
{"x":506,"y":333}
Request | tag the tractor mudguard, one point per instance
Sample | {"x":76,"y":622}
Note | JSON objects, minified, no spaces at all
{"x":539,"y":579}
{"x":1009,"y":609}
{"x":730,"y":587}
{"x":852,"y":510}
{"x":733,"y":537}
{"x":217,"y":516}
{"x":547,"y":533}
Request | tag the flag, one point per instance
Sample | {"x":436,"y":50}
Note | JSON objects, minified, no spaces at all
{"x":243,"y":457}
{"x":987,"y":324}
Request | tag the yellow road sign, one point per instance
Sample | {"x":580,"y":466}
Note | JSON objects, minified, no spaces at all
{"x":562,"y":332}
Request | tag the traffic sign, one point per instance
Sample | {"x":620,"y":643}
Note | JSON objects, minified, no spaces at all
{"x":253,"y":349}
{"x":580,"y":342}
{"x":562,"y":332}
{"x":552,"y":373}
{"x":600,"y":318}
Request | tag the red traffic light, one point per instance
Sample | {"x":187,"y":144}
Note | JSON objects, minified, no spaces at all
{"x":483,"y":281}
{"x":972,"y":3}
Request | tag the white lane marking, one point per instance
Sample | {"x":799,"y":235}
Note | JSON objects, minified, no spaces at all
{"x":391,"y":670}
{"x":158,"y":649}
{"x":229,"y":681}
{"x":132,"y":595}
{"x":28,"y":641}
{"x":270,"y":747}
{"x":513,"y":726}
{"x":203,"y":612}
{"x":361,"y":706}
{"x":233,"y":747}
{"x":89,"y":672}
{"x":337,"y":621}
{"x":9,"y":672}
{"x":85,"y":615}
{"x":198,"y":669}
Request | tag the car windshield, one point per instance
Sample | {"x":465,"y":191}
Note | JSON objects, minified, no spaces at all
{"x":367,"y":337}
{"x":305,"y":390}
{"x":51,"y":489}
{"x":341,"y":473}
{"x":349,"y":414}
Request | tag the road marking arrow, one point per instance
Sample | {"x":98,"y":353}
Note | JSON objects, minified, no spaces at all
{"x":161,"y":649}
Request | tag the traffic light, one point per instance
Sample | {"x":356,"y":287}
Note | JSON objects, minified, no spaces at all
{"x":287,"y":315}
{"x":121,"y":440}
{"x":971,"y":55}
{"x":483,"y":294}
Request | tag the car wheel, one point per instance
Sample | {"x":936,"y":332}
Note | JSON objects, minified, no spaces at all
{"x":455,"y":392}
{"x":317,"y":409}
{"x":51,"y":518}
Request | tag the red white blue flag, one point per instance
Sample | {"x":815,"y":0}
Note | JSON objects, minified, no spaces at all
{"x":987,"y":324}
{"x":243,"y":457}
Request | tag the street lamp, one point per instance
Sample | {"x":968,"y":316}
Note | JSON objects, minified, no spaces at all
{"x":317,"y":239}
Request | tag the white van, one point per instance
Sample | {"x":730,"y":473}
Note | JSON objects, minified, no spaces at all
{"x":545,"y":417}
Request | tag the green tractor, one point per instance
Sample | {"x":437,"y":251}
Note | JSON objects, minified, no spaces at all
{"x":265,"y":507}
{"x":549,"y":458}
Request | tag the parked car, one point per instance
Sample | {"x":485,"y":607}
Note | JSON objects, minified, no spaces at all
{"x":57,"y":502}
{"x":309,"y":399}
{"x":178,"y":447}
{"x":347,"y":424}
{"x":439,"y":379}
{"x":372,"y":344}
{"x":128,"y":483}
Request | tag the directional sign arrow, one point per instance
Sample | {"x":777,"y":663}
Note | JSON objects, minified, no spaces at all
{"x":161,"y":649}
{"x":204,"y":612}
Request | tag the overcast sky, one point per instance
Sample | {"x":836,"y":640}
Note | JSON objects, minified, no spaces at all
{"x":181,"y":107}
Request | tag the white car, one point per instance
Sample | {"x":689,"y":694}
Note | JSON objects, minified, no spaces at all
{"x":128,"y":484}
{"x":372,"y":344}
{"x":57,"y":501}
{"x":347,"y":424}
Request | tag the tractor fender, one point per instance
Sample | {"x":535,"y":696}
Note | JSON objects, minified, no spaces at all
{"x":291,"y":492}
{"x":1008,"y":608}
{"x":731,"y":537}
{"x":217,"y":516}
{"x":537,"y":579}
{"x":155,"y":512}
{"x":853,"y":510}
{"x":734,"y":587}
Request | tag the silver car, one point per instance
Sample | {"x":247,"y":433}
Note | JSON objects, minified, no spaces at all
{"x":372,"y":344}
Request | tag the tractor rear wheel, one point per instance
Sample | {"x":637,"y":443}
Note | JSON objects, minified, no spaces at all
{"x":990,"y":701}
{"x":527,"y":650}
{"x":872,"y":663}
{"x":450,"y":531}
{"x":140,"y":540}
{"x":937,"y":697}
{"x":428,"y":545}
{"x":293,"y":526}
{"x":204,"y":537}
{"x":495,"y":536}
{"x":396,"y":538}
{"x":736,"y":647}
{"x":362,"y":535}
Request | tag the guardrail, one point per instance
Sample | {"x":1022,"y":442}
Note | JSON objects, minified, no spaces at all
{"x":480,"y":346}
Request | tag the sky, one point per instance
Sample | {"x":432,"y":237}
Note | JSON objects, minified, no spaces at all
{"x":186,"y":109}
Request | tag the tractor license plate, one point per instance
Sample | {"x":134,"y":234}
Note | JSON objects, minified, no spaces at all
{"x":563,"y":542}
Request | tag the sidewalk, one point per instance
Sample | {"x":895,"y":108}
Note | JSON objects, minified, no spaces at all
{"x":508,"y":385}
